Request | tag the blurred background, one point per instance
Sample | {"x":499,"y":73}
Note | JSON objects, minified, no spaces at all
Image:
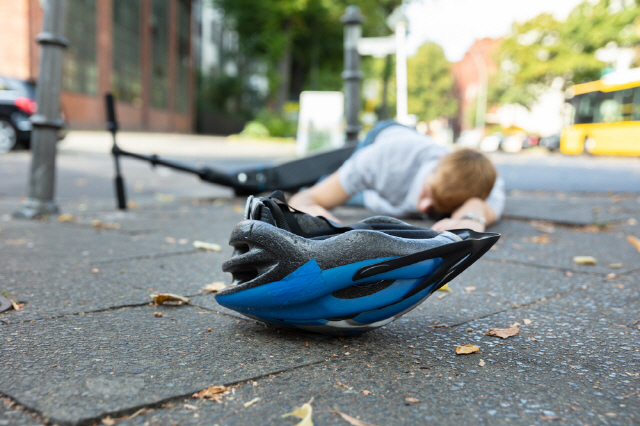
{"x":488,"y":74}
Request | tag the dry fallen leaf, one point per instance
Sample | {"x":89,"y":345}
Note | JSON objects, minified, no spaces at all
{"x":445,"y":288}
{"x":351,"y":420}
{"x":206,"y":246}
{"x":66,"y":217}
{"x":214,"y":393}
{"x":482,"y":363}
{"x":634,"y":242}
{"x":16,"y":306}
{"x":585,"y":260}
{"x":214,"y":287}
{"x":165,"y":198}
{"x":98,"y":224}
{"x":18,"y":242}
{"x":543,"y":226}
{"x":526,"y":321}
{"x":250,"y":403}
{"x":503,"y":332}
{"x":108,"y":421}
{"x":594,"y":229}
{"x":412,"y":399}
{"x":343,"y":385}
{"x":303,"y":413}
{"x":540,"y":239}
{"x":168,"y":297}
{"x":467,"y":349}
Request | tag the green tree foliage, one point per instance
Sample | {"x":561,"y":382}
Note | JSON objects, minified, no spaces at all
{"x":300,"y":41}
{"x":430,"y":84}
{"x":542,"y":49}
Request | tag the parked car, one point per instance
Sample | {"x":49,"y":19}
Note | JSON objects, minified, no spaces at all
{"x":552,"y":143}
{"x":531,"y":141}
{"x":17,"y":104}
{"x":492,"y":142}
{"x":469,"y":138}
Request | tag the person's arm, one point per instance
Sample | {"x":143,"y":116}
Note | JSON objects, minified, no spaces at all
{"x":468,"y":216}
{"x":321,"y":197}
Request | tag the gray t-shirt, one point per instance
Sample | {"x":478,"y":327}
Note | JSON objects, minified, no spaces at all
{"x":391,"y":172}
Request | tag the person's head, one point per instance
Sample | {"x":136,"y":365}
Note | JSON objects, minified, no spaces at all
{"x":459,"y":176}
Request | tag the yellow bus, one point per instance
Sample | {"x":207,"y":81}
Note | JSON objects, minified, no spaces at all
{"x":604,"y":116}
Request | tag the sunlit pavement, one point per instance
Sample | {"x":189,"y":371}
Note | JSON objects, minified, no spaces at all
{"x":87,"y":347}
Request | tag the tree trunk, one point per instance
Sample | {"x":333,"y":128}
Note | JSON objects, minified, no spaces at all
{"x":386,"y":74}
{"x":284,"y":71}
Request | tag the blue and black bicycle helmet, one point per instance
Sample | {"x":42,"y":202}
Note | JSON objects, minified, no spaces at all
{"x":293,"y":269}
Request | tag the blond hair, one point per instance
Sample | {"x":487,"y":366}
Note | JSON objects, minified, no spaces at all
{"x":459,"y":176}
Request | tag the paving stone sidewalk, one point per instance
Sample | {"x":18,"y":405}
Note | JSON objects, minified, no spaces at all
{"x":88,"y":347}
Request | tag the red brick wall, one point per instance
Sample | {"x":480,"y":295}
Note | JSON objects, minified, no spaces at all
{"x":465,"y":74}
{"x":19,"y":55}
{"x":21,"y":21}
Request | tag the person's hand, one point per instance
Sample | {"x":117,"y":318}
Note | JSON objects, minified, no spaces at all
{"x":448,"y":224}
{"x":316,"y":210}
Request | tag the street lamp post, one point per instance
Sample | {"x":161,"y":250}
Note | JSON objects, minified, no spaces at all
{"x":481,"y":106}
{"x":46,"y":121}
{"x":399,"y":23}
{"x":352,"y":75}
{"x":402,"y":114}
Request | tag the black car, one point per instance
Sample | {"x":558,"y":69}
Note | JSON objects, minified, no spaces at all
{"x":552,"y":143}
{"x":17,"y":104}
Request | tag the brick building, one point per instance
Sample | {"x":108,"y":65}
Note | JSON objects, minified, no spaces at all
{"x":466,"y":74}
{"x":141,"y":50}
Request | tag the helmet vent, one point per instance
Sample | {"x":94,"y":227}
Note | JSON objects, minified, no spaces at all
{"x":344,"y":318}
{"x":243,"y":275}
{"x":241,"y":248}
{"x":362,"y":289}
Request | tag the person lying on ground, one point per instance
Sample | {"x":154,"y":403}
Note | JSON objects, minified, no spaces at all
{"x":397,"y":171}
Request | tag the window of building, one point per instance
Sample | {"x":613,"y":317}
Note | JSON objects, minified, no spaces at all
{"x":182,"y":72}
{"x":80,"y":69}
{"x":160,"y":53}
{"x":125,"y":77}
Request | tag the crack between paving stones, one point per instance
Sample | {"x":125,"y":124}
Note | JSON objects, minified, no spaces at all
{"x":115,"y":308}
{"x":111,"y":308}
{"x":147,"y":256}
{"x":556,"y":268}
{"x":18,"y":406}
{"x":98,"y":229}
{"x":526,"y":305}
{"x":158,"y":404}
{"x":565,"y":224}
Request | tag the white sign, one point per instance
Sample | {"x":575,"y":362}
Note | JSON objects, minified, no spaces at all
{"x":320,"y":123}
{"x":377,"y":46}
